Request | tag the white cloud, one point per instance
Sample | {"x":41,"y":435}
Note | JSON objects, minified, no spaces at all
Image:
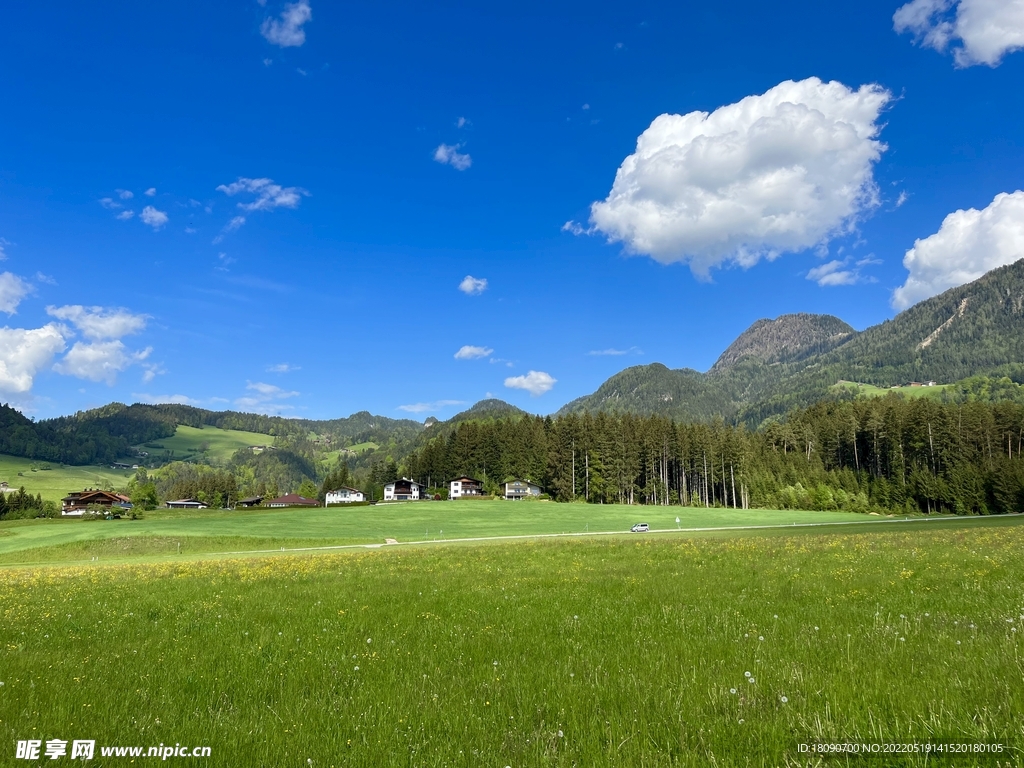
{"x":43,"y":278}
{"x":3,"y":244}
{"x":125,"y":194}
{"x":268,"y":196}
{"x":612,"y":351}
{"x":833,"y":273}
{"x":100,"y":322}
{"x":151,"y":371}
{"x":109,"y":203}
{"x":234,"y":224}
{"x":473,"y":286}
{"x":968,"y":244}
{"x":125,"y":215}
{"x":154,"y":218}
{"x":99,"y":361}
{"x":265,"y":398}
{"x":283,"y":368}
{"x":782,"y":171}
{"x":24,"y":353}
{"x":151,"y":192}
{"x":287,"y":30}
{"x":12,"y":290}
{"x":448,"y":154}
{"x":461,"y":122}
{"x":986,"y":30}
{"x":534,"y":382}
{"x":470,"y":352}
{"x":425,"y":407}
{"x":143,"y":397}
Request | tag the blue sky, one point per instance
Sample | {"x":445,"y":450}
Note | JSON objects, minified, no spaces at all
{"x":273,"y":206}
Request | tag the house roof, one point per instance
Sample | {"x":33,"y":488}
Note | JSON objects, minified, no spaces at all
{"x":294,"y":499}
{"x":89,"y":495}
{"x":188,"y":501}
{"x":465,"y":478}
{"x":404,"y":480}
{"x":345,"y":488}
{"x":522,"y":480}
{"x":251,"y":500}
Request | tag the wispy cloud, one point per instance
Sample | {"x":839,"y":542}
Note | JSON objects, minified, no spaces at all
{"x":144,"y":397}
{"x":448,"y":154}
{"x":473,"y":286}
{"x":613,"y":351}
{"x":425,"y":407}
{"x":100,"y":322}
{"x":125,"y":215}
{"x":283,"y":368}
{"x":125,"y":194}
{"x":12,"y":290}
{"x":839,"y":272}
{"x":470,"y":352}
{"x":268,"y":195}
{"x":265,"y":398}
{"x":286,"y":31}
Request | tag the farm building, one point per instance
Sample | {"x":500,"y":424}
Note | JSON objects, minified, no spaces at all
{"x":292,"y":500}
{"x":187,"y":504}
{"x":344,"y":495}
{"x":75,"y":504}
{"x":465,"y":486}
{"x":517,"y":488}
{"x":402,"y":490}
{"x":252,"y":501}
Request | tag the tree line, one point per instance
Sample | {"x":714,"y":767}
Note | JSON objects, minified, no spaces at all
{"x":882,"y":454}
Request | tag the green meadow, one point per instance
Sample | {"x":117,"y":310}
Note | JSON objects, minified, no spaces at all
{"x":217,"y":444}
{"x":54,"y":481}
{"x":870,"y":390}
{"x":170,"y":533}
{"x":660,"y":650}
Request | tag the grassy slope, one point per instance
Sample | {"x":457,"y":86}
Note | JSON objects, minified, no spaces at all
{"x":613,"y":652}
{"x":870,"y":390}
{"x":217,"y":531}
{"x":222,"y":442}
{"x":55,"y":483}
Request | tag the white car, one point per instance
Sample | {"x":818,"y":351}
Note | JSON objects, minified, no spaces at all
{"x":640,"y":528}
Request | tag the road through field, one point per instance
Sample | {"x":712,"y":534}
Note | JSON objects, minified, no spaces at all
{"x":780,"y":528}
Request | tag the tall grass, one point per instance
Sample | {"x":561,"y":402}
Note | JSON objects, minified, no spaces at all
{"x":582,"y":653}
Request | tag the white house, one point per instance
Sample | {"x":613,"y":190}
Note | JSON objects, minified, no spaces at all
{"x":520,"y":489}
{"x":465,"y":486}
{"x":344,"y":496}
{"x":402,"y":490}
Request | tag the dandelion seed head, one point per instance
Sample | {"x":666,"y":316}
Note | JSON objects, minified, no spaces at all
{"x":356,"y":668}
{"x":369,"y":640}
{"x":746,"y":674}
{"x":732,"y":691}
{"x":760,"y":637}
{"x":751,"y":680}
{"x":560,"y":734}
{"x":783,"y":699}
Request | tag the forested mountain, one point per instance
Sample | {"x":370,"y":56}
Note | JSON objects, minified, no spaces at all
{"x":106,"y":434}
{"x":975,"y":329}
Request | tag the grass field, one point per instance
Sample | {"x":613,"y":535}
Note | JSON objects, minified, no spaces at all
{"x":645,"y":651}
{"x":870,"y":390}
{"x":54,"y":481}
{"x":220,"y":443}
{"x":161,"y":533}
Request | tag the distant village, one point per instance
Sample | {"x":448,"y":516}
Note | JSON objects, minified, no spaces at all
{"x":92,"y":501}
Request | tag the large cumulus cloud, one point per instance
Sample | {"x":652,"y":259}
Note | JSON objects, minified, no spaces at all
{"x":968,"y":244}
{"x":782,"y":171}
